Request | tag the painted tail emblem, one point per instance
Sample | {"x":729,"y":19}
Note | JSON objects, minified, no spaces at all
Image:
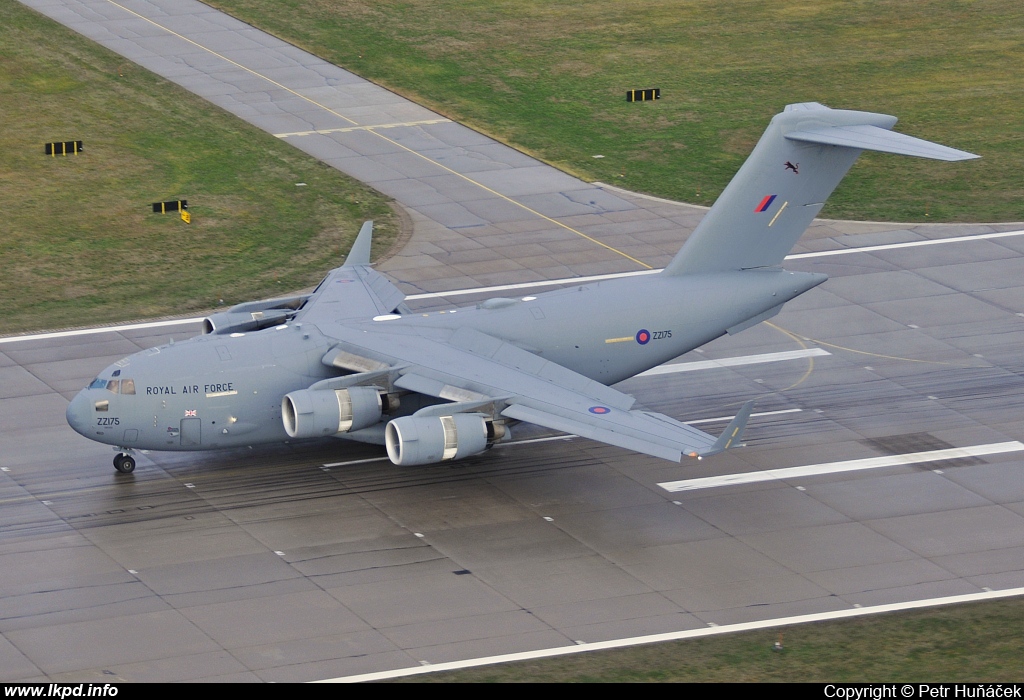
{"x":765,"y":203}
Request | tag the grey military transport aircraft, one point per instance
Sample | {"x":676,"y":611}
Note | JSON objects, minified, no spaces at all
{"x":350,"y":359}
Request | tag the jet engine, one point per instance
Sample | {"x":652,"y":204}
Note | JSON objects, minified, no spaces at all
{"x":253,"y":315}
{"x":414,"y":440}
{"x":230,"y":322}
{"x":321,"y":413}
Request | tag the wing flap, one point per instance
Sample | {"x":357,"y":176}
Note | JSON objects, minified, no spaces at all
{"x":593,"y":432}
{"x":652,"y":434}
{"x":438,"y":388}
{"x":389,"y":297}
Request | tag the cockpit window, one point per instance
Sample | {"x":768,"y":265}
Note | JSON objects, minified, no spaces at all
{"x":114,"y":386}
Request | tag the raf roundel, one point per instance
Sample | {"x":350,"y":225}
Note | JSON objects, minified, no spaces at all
{"x":600,"y":410}
{"x":643,"y":336}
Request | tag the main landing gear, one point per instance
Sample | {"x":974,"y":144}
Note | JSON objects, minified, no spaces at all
{"x":124,"y":463}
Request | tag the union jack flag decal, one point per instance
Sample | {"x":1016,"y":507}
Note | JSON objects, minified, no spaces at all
{"x":190,"y":414}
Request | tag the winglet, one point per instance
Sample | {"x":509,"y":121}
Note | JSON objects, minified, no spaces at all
{"x":360,"y":252}
{"x":732,"y":434}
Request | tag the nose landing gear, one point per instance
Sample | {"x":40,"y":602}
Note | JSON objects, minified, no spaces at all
{"x":124,"y":463}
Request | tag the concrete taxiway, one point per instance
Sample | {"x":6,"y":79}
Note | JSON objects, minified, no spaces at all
{"x":320,"y":560}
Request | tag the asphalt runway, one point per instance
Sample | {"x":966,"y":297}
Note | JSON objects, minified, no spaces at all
{"x":322,"y":560}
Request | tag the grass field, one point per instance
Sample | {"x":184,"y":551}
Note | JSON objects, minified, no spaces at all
{"x":550,"y":77}
{"x":978,"y":642}
{"x":80,"y":243}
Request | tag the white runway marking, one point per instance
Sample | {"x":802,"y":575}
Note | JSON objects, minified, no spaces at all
{"x":909,"y":244}
{"x":531,"y":285}
{"x":663,"y":369}
{"x":734,"y":361}
{"x":357,"y":461}
{"x":838,"y":467}
{"x":526,"y":285}
{"x":104,"y":329}
{"x":344,"y":129}
{"x":726,"y":419}
{"x":797,"y":256}
{"x":685,"y":634}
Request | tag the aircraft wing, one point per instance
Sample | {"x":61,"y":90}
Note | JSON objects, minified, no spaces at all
{"x":351,"y":293}
{"x":354,"y":290}
{"x":474,"y":369}
{"x":641,"y":431}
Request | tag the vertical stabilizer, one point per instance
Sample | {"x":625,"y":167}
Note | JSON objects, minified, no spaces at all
{"x":782,"y":186}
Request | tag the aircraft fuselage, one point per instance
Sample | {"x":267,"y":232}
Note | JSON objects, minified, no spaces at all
{"x":218,"y":391}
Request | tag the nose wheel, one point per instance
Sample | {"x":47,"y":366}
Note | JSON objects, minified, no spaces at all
{"x":124,"y":463}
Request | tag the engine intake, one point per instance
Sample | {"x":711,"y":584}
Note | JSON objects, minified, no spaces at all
{"x":253,"y":315}
{"x":242,"y":321}
{"x":323,"y":413}
{"x":414,"y":440}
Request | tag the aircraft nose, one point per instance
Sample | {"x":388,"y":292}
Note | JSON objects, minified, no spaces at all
{"x":78,"y":413}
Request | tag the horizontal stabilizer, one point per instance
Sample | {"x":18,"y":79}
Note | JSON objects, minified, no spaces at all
{"x":805,"y":107}
{"x":782,"y":186}
{"x":873,"y":138}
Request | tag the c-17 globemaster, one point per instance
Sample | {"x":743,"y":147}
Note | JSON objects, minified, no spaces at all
{"x":350,"y":360}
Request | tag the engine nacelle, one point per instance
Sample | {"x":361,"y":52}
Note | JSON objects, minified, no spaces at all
{"x":243,"y":321}
{"x":413,"y":440}
{"x":322,"y":413}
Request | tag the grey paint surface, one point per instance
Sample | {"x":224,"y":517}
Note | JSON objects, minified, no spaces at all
{"x":266,"y":565}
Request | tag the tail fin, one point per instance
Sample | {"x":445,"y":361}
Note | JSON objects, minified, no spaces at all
{"x":795,"y":166}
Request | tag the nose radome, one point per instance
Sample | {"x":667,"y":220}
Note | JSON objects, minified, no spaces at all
{"x":78,"y":413}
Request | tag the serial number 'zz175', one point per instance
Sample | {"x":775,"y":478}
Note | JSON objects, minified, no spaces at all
{"x":108,"y":421}
{"x":660,"y":335}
